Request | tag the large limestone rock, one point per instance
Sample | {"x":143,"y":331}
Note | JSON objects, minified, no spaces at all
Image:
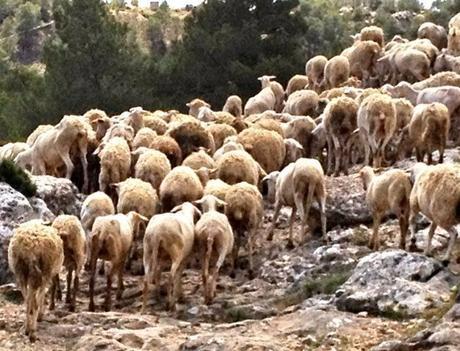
{"x":60,"y":195}
{"x":15,"y":209}
{"x":396,"y":282}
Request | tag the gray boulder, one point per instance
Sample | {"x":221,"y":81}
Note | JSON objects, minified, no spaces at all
{"x":396,"y":283}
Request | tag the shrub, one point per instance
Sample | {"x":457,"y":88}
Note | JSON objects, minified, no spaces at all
{"x":17,"y":178}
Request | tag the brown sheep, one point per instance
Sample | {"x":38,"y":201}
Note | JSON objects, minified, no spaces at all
{"x":169,"y":147}
{"x":314,"y":70}
{"x":336,"y":72}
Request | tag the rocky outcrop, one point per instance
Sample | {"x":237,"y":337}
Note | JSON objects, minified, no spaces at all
{"x":397,"y":283}
{"x":60,"y":195}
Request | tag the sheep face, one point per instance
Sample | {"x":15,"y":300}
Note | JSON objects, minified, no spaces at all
{"x":188,"y":207}
{"x":211,"y":203}
{"x":269,"y":186}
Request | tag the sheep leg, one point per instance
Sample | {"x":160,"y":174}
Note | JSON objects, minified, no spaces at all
{"x":433,"y":227}
{"x":251,"y":237}
{"x":32,"y":314}
{"x":330,"y":155}
{"x":53,"y":292}
{"x":412,"y":223}
{"x":403,"y":226}
{"x":275,"y":217}
{"x":290,"y":243}
{"x":41,"y":303}
{"x":67,"y":161}
{"x":298,"y":200}
{"x":76,"y":284}
{"x":83,"y":146}
{"x":173,"y":283}
{"x":453,"y":237}
{"x":206,"y":255}
{"x":235,"y":251}
{"x":92,"y":276}
{"x":441,"y":154}
{"x":120,"y":286}
{"x":108,"y":292}
{"x":430,"y":158}
{"x":374,"y":242}
{"x":69,"y":282}
{"x":311,"y":191}
{"x":322,"y":204}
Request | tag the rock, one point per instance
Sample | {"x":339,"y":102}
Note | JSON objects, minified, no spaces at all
{"x":60,"y":195}
{"x":396,"y":283}
{"x":15,"y":209}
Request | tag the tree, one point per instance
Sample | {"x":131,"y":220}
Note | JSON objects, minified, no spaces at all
{"x":443,"y":10}
{"x":90,"y":63}
{"x":228,"y":44}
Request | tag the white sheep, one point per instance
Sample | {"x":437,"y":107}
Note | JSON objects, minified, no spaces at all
{"x":214,"y":241}
{"x":111,"y":240}
{"x":388,"y":191}
{"x":233,"y":105}
{"x":171,"y":234}
{"x":436,"y":194}
{"x":152,"y":166}
{"x":35,"y":256}
{"x":296,"y":186}
{"x":73,"y":237}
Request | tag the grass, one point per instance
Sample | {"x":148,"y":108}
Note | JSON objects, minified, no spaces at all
{"x":324,"y":284}
{"x":17,"y":178}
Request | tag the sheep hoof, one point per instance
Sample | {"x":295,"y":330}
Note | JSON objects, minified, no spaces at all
{"x":290,"y":245}
{"x":91,"y":307}
{"x":107,"y":307}
{"x":251,"y":274}
{"x":71,"y":308}
{"x":445,"y":262}
{"x":412,"y":247}
{"x":270,"y":237}
{"x":33,"y":337}
{"x":232,"y":274}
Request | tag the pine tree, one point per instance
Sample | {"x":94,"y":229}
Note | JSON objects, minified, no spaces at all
{"x":89,"y":62}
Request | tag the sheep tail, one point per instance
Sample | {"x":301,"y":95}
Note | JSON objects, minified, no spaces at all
{"x":238,"y":214}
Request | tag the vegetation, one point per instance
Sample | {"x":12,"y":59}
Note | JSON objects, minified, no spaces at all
{"x":66,"y":56}
{"x":17,"y":178}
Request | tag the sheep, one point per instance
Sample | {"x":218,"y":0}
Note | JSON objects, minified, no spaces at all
{"x":446,"y":62}
{"x":180,"y":185}
{"x":155,"y":123}
{"x":429,"y":129}
{"x":152,"y":166}
{"x":363,"y":60}
{"x":238,"y":166}
{"x":372,"y":33}
{"x":214,"y":240}
{"x":144,"y":138}
{"x":336,"y":72}
{"x":266,"y":147}
{"x":233,"y":105}
{"x":115,"y":163}
{"x":190,"y":136}
{"x":11,"y":150}
{"x":219,"y":132}
{"x":395,"y":41}
{"x":171,"y":234}
{"x":439,"y":79}
{"x":138,"y":196}
{"x":37,"y":132}
{"x":295,"y":186}
{"x":404,"y":110}
{"x":111,"y":240}
{"x":433,"y":32}
{"x":35,"y":256}
{"x":262,"y":101}
{"x":229,"y":145}
{"x":377,"y":124}
{"x":244,"y":211}
{"x":52,"y":149}
{"x":168,"y":146}
{"x":199,"y":159}
{"x":194,"y":106}
{"x":453,"y":41}
{"x":339,"y":121}
{"x":314,"y":70}
{"x":217,"y":188}
{"x":409,"y":64}
{"x":302,"y":103}
{"x":118,"y":130}
{"x":95,"y":205}
{"x":277,"y":89}
{"x":73,"y":237}
{"x":135,"y":119}
{"x":297,"y":82}
{"x":437,"y":195}
{"x":294,"y":151}
{"x":300,"y":128}
{"x":389,"y":191}
{"x":205,"y":114}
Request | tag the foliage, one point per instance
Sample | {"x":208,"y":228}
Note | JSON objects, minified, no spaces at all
{"x":17,"y":178}
{"x":443,"y":10}
{"x":90,"y":59}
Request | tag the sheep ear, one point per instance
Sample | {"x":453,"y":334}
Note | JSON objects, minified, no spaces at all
{"x":99,"y":149}
{"x":46,"y":222}
{"x":115,"y":186}
{"x":213,"y":172}
{"x":188,"y":104}
{"x":207,"y":105}
{"x":176,"y":209}
{"x":197,"y":202}
{"x":356,"y":131}
{"x":221,"y":203}
{"x":142,"y":218}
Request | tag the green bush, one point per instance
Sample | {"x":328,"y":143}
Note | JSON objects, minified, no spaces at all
{"x":17,"y":178}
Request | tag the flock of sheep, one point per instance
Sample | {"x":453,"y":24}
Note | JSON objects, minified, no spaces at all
{"x":175,"y":185}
